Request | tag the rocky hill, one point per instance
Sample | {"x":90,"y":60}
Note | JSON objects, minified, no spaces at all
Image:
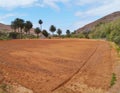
{"x":108,"y":18}
{"x":4,"y":27}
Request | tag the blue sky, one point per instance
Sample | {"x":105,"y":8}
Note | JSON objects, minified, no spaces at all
{"x":64,"y":14}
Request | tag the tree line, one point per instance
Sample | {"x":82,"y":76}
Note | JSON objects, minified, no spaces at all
{"x":21,"y":27}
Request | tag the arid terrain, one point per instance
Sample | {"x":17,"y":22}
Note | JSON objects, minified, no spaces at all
{"x":57,"y":66}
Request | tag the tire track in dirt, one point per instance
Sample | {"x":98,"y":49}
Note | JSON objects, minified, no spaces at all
{"x":63,"y":83}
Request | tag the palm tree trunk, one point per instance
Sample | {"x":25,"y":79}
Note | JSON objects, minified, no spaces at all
{"x":41,"y":27}
{"x":37,"y":35}
{"x":53,"y":33}
{"x":29,"y":32}
{"x":15,"y":30}
{"x":18,"y":30}
{"x":20,"y":33}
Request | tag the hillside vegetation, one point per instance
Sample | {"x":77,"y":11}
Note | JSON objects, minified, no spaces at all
{"x":109,"y":31}
{"x":103,"y":30}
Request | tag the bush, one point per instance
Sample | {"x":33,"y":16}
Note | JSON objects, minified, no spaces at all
{"x":109,"y":31}
{"x":63,"y":36}
{"x":81,"y":35}
{"x":14,"y":35}
{"x":3,"y":87}
{"x":113,"y":80}
{"x":4,"y":36}
{"x":29,"y":36}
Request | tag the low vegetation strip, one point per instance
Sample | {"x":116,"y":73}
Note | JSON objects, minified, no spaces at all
{"x":113,"y":80}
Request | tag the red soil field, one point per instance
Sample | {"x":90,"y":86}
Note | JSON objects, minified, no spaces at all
{"x":58,"y":66}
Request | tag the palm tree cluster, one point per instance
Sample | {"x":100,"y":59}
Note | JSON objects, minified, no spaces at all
{"x":19,"y":25}
{"x":59,"y":31}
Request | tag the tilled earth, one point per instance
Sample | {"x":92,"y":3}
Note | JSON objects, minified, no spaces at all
{"x":58,"y":66}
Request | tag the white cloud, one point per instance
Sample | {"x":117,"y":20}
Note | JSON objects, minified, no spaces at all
{"x":102,"y":8}
{"x":53,"y":3}
{"x":5,"y":17}
{"x":84,"y":2}
{"x":9,"y":4}
{"x":105,"y":9}
{"x":106,"y":4}
{"x":78,"y":13}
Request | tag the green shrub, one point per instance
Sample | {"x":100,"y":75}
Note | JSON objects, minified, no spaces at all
{"x":29,"y":36}
{"x":3,"y":88}
{"x":109,"y":31}
{"x":113,"y":80}
{"x":4,"y":36}
{"x":80,"y":35}
{"x":14,"y":35}
{"x":63,"y":36}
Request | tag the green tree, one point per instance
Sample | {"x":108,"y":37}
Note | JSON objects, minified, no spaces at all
{"x":21,"y":25}
{"x":45,"y":33}
{"x":68,"y":32}
{"x":14,"y":25}
{"x":40,"y":22}
{"x":13,"y":35}
{"x":18,"y":24}
{"x":37,"y":31}
{"x":28,"y":26}
{"x":16,"y":21}
{"x":52,"y":29}
{"x":59,"y":32}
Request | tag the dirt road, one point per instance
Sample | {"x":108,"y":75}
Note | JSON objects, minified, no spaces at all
{"x":58,"y":66}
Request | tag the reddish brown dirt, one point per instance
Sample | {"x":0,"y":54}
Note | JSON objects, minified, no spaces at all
{"x":56,"y":65}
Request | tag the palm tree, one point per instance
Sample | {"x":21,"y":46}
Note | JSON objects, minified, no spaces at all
{"x":52,"y":29}
{"x":16,"y":21}
{"x":40,"y":22}
{"x":21,"y":26}
{"x":37,"y":31}
{"x":59,"y":32}
{"x":68,"y":32}
{"x":27,"y":26}
{"x":45,"y":33}
{"x":14,"y":25}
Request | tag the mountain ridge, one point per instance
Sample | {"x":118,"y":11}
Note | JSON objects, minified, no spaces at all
{"x":105,"y":19}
